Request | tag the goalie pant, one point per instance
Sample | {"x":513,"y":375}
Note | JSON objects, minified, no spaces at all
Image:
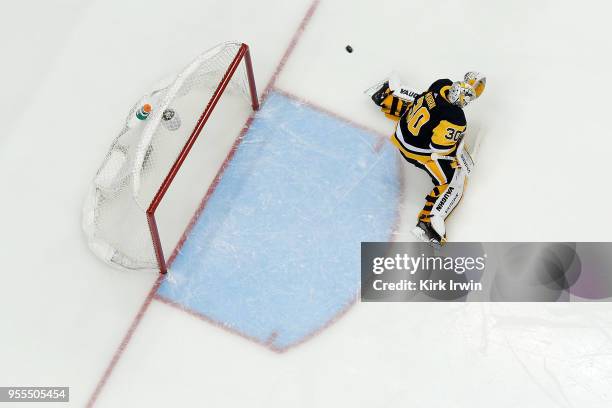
{"x":428,"y":133}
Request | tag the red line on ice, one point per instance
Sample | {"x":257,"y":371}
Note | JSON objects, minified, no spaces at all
{"x":268,"y":343}
{"x":264,"y":96}
{"x":124,"y":343}
{"x":151,"y":295}
{"x":382,"y":137}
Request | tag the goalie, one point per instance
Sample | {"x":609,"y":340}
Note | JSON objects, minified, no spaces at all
{"x":429,"y":134}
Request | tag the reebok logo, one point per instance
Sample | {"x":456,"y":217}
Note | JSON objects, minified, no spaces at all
{"x":444,"y":198}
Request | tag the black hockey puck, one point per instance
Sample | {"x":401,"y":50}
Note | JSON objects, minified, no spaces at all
{"x":349,"y":49}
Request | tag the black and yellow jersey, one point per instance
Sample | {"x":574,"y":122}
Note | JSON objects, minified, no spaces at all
{"x":432,"y":124}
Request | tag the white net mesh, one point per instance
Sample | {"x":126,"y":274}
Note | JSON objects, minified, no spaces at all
{"x":140,"y":158}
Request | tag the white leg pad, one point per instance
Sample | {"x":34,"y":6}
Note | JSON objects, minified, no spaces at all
{"x":465,"y":159}
{"x":405,"y":93}
{"x":395,"y":85}
{"x":447,"y":202}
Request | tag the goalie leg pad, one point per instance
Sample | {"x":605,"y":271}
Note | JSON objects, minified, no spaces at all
{"x":465,"y":159}
{"x":447,"y":202}
{"x":406,"y":94}
{"x":393,"y":97}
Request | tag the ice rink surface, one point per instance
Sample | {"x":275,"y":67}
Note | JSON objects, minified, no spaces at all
{"x":275,"y":254}
{"x":72,"y":69}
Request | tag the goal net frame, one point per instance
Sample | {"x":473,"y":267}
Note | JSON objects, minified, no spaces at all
{"x":127,"y":187}
{"x":243,"y":54}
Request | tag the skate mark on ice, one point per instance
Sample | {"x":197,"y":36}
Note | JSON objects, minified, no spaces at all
{"x":276,"y":255}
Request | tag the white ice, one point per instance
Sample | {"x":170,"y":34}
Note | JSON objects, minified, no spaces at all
{"x":71,"y":69}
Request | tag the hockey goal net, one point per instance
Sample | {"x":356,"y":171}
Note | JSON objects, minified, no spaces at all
{"x":154,"y":177}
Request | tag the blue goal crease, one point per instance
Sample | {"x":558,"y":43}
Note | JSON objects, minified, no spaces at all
{"x":276,"y":253}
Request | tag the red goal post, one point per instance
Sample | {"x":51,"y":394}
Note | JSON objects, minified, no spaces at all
{"x":144,"y":160}
{"x":243,"y":53}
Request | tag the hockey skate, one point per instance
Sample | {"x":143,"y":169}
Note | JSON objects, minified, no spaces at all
{"x":381,"y":89}
{"x":425,"y":232}
{"x":379,"y":95}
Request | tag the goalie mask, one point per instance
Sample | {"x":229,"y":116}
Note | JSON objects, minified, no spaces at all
{"x":477,"y":81}
{"x":461,"y":93}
